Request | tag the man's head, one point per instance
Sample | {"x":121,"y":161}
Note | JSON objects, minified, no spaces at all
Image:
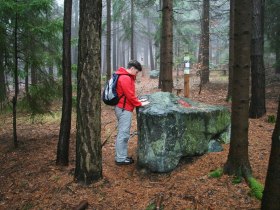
{"x":135,"y":64}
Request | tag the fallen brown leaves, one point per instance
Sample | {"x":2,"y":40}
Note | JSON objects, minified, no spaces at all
{"x":29,"y":178}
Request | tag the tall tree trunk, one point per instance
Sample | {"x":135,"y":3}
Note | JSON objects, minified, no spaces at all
{"x":3,"y":90}
{"x":205,"y":43}
{"x":34,"y":78}
{"x":150,"y":47}
{"x":88,"y":139}
{"x":257,"y":106}
{"x":277,"y":68}
{"x":132,"y":56}
{"x":65,"y":124}
{"x":271,"y":195}
{"x":26,"y":84}
{"x":75,"y":30}
{"x":166,"y":46}
{"x":238,"y":162}
{"x":114,"y":47}
{"x":15,"y":81}
{"x":231,"y":51}
{"x":108,"y":40}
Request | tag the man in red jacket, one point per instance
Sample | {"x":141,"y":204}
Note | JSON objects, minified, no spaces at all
{"x":124,"y":109}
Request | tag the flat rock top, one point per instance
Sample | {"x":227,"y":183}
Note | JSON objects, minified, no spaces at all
{"x":165,"y":102}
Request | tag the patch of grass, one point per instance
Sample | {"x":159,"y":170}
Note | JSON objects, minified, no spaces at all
{"x":271,"y":119}
{"x":216,"y":174}
{"x":256,"y":188}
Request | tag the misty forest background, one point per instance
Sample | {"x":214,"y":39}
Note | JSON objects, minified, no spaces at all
{"x":51,"y":53}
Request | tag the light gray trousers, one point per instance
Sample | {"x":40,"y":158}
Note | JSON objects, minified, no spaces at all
{"x":124,"y":124}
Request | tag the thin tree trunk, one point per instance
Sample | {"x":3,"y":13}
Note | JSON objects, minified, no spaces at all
{"x":238,"y":161}
{"x":205,"y":43}
{"x":15,"y":81}
{"x":75,"y":30}
{"x":108,"y":41}
{"x":132,"y":56}
{"x":257,"y":105}
{"x":88,"y":139}
{"x":271,"y":194}
{"x":3,"y":90}
{"x":65,"y":124}
{"x":150,"y":47}
{"x":114,"y":53}
{"x":231,"y":51}
{"x":166,"y":47}
{"x":26,"y":84}
{"x":277,"y":68}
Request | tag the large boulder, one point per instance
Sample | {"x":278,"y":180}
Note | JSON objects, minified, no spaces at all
{"x":171,"y":127}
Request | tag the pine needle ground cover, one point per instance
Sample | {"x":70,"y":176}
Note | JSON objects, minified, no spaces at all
{"x":29,"y":178}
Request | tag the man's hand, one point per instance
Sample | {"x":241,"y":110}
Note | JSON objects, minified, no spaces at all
{"x":144,"y":103}
{"x":143,"y":99}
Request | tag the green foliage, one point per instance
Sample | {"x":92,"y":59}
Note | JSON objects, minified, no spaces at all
{"x":216,"y":174}
{"x":256,"y":188}
{"x":151,"y":206}
{"x":40,"y":97}
{"x":271,"y":119}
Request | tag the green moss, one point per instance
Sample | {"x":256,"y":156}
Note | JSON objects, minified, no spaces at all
{"x":256,"y":188}
{"x":216,"y":174}
{"x":237,"y":180}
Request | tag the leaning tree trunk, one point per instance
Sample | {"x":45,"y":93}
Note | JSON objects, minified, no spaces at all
{"x":257,"y":105}
{"x":88,"y":139}
{"x":166,"y":47}
{"x":271,"y":194}
{"x":238,"y":161}
{"x":65,"y":124}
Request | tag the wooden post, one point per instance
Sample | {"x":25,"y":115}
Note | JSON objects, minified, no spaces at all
{"x":187,"y":76}
{"x":187,"y":85}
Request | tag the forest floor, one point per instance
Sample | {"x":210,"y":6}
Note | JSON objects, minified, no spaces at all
{"x":30,"y":179}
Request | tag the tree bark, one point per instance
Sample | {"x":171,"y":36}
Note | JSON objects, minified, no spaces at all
{"x":108,"y":41}
{"x":271,"y":194}
{"x":257,"y":105}
{"x":88,"y":140}
{"x":166,"y":47}
{"x":205,"y":43}
{"x":238,"y":161}
{"x":65,"y":124}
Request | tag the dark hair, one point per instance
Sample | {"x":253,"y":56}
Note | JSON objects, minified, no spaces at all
{"x":135,"y":64}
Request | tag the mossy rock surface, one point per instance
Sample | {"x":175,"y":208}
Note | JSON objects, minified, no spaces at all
{"x":171,"y":127}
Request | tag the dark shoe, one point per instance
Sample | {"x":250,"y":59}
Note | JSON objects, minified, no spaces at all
{"x":127,"y":161}
{"x":130,"y":158}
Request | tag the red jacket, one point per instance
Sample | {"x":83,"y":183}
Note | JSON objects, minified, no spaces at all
{"x":126,"y":87}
